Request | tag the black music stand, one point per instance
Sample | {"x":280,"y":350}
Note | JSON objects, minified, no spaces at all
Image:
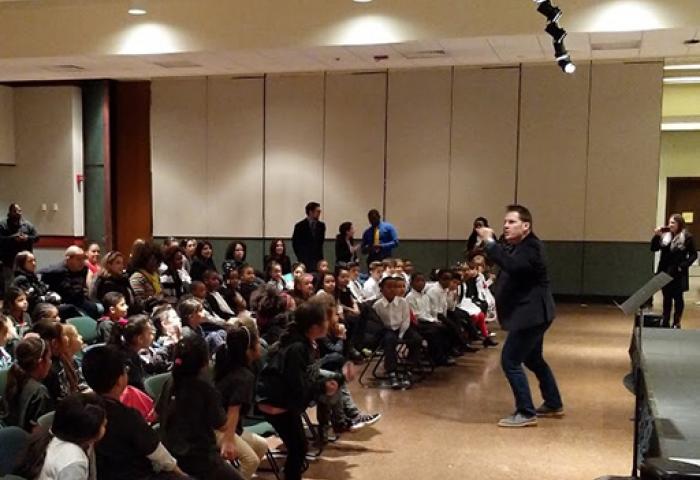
{"x":634,"y":305}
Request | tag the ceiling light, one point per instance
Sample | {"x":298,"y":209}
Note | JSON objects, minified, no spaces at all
{"x":695,"y":66}
{"x":546,"y":8}
{"x":679,"y":126}
{"x":555,"y":31}
{"x":137,"y":7}
{"x":681,"y":80}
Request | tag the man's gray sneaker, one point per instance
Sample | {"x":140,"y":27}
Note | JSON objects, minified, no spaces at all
{"x":518,"y":420}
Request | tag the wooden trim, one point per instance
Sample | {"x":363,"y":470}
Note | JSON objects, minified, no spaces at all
{"x":59,"y":241}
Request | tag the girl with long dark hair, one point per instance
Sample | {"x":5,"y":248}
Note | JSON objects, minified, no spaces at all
{"x":190,"y":411}
{"x":236,"y":382}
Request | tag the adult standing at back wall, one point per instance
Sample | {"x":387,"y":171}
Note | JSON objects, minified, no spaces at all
{"x":678,"y":253}
{"x":380,"y":239}
{"x":308,"y":237}
{"x":16,"y":235}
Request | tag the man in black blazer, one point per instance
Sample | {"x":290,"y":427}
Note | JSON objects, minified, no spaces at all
{"x":308,"y":237}
{"x":525,"y":309}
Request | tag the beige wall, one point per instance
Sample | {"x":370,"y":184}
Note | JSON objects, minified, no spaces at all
{"x":7,"y":126}
{"x":418,"y":151}
{"x":49,"y":153}
{"x":207,"y":157}
{"x":353,"y":170}
{"x":554,"y":148}
{"x":681,"y":100}
{"x":581,"y":151}
{"x":294,"y":112}
{"x":484,"y":146}
{"x":623,"y":151}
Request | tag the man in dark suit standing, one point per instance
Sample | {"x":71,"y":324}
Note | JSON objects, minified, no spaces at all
{"x":525,"y":309}
{"x":308,"y":237}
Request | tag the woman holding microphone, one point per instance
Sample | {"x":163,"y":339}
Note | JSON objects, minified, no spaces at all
{"x":678,"y":253}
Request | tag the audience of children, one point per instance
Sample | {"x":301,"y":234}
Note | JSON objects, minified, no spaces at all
{"x":311,"y":333}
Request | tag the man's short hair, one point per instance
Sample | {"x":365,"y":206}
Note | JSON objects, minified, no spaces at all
{"x":522,"y":212}
{"x":374,"y":211}
{"x":102,"y":367}
{"x":311,"y":206}
{"x":374,"y":265}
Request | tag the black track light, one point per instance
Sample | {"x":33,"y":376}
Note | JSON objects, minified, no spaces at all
{"x":546,"y":8}
{"x":559,"y":49}
{"x":556,"y":32}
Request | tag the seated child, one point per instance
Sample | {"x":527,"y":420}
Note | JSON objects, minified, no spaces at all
{"x":468,"y":301}
{"x":370,"y":290}
{"x":15,"y":308}
{"x":190,"y":411}
{"x":395,"y":314}
{"x":274,"y":276}
{"x":430,"y":327}
{"x":298,"y":269}
{"x":26,"y":396}
{"x":249,"y":282}
{"x":64,"y":450}
{"x":5,"y":334}
{"x":131,"y":338}
{"x":63,"y":378}
{"x":344,"y":413}
{"x":235,"y":381}
{"x":191,"y":314}
{"x":130,"y":448}
{"x":116,"y":310}
{"x":214,"y":301}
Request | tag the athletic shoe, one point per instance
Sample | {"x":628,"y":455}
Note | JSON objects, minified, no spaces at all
{"x":489,"y":342}
{"x":364,"y":420}
{"x":548,"y":412}
{"x":518,"y":420}
{"x":394,"y":381}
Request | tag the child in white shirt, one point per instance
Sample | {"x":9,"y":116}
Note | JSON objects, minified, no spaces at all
{"x":394,"y":312}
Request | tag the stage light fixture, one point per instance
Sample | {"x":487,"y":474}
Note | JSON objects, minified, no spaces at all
{"x":546,"y":8}
{"x":556,"y":32}
{"x":566,"y":65}
{"x":559,"y":49}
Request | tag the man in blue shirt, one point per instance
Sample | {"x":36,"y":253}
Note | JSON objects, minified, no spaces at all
{"x":379,"y":239}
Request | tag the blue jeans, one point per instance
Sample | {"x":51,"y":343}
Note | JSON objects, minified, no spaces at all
{"x":525,"y":347}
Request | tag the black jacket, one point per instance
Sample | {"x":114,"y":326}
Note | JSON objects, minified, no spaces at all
{"x":307,"y":244}
{"x":35,"y":289}
{"x":676,"y":262}
{"x":291,"y":378}
{"x":104,"y":284}
{"x":343,"y":252}
{"x":9,"y":246}
{"x":523,"y":295}
{"x":71,"y":286}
